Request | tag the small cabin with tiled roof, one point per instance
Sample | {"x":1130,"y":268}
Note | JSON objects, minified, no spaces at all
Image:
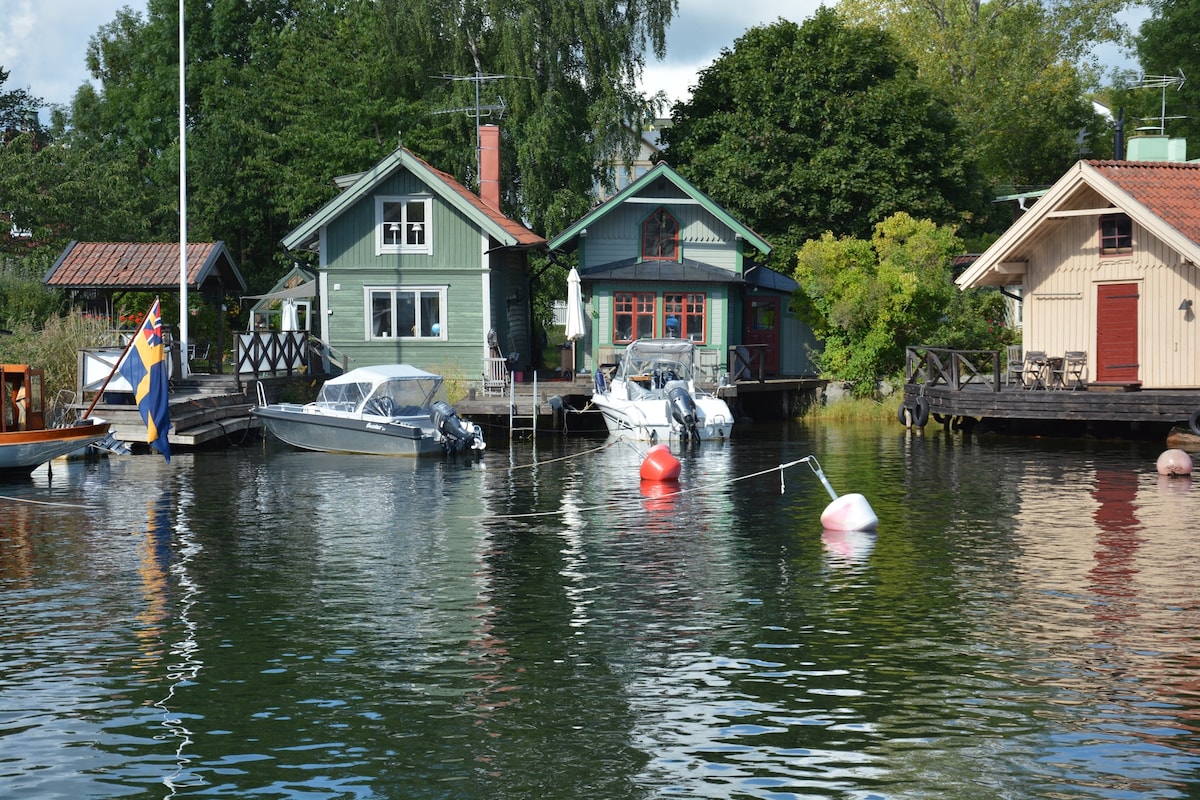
{"x":661,"y":258}
{"x":92,"y":272}
{"x":1106,"y":263}
{"x":412,"y":267}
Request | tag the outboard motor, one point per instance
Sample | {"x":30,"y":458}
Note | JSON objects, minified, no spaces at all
{"x":456,"y":434}
{"x":683,"y":409}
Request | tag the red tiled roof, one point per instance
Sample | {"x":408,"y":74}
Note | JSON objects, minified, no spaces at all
{"x":139,"y":265}
{"x":518,"y":231}
{"x":1169,"y":190}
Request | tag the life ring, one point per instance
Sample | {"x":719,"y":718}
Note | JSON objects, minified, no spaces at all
{"x":1194,"y":422}
{"x":904,"y":415}
{"x":921,"y":413}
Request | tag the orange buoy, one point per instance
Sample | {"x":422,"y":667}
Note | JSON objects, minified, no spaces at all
{"x":660,"y":464}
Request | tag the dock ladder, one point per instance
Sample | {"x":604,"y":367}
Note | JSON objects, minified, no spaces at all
{"x":519,"y":422}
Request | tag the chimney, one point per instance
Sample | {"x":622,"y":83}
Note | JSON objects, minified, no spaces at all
{"x":489,"y":165}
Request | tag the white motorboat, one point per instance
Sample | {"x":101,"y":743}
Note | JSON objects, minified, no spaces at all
{"x":383,"y":410}
{"x":653,"y":395}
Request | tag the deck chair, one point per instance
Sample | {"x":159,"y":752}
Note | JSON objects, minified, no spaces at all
{"x":1034,"y":374}
{"x":1016,"y":365}
{"x":497,"y":370}
{"x":1074,"y":365}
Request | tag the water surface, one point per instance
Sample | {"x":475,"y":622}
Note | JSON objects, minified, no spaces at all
{"x":263,"y":622}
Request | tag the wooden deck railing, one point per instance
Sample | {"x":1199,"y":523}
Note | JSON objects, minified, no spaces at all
{"x":957,"y":369}
{"x":270,"y":353}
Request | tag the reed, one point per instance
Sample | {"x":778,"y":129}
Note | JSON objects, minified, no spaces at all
{"x":55,"y":346}
{"x":854,"y":409}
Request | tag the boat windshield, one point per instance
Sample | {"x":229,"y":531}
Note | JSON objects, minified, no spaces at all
{"x":402,"y":397}
{"x":646,"y":357}
{"x":343,"y":396}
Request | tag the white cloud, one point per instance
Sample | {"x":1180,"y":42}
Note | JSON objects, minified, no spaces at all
{"x":702,"y":28}
{"x":43,"y":43}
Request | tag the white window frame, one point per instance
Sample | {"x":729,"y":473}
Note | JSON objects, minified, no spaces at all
{"x":382,"y":327}
{"x":384,"y":245}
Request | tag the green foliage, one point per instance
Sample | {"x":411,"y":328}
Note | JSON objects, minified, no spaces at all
{"x":285,"y":95}
{"x":868,"y":300}
{"x":820,"y":127}
{"x":1015,"y":74}
{"x":23,"y":296}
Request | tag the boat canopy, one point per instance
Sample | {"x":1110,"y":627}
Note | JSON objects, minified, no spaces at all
{"x":388,"y":389}
{"x":647,"y":356}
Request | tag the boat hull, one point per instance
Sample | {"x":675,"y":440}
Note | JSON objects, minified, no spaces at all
{"x":650,"y":420}
{"x":21,"y":452}
{"x":329,"y":434}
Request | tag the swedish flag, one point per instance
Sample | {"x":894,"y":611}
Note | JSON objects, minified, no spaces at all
{"x":145,"y":367}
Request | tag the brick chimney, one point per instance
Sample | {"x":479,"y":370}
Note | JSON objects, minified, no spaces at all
{"x":489,"y":165}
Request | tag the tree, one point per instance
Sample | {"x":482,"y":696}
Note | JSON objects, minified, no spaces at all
{"x":18,"y":111}
{"x":869,"y":299}
{"x":1166,"y":45}
{"x":284,"y":95}
{"x":821,"y":127}
{"x":1015,"y":72}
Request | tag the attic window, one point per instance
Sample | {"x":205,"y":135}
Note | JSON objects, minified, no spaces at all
{"x":402,"y":225}
{"x":1116,"y":235}
{"x":660,"y":237}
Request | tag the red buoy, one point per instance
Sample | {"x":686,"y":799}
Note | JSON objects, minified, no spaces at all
{"x":660,"y":464}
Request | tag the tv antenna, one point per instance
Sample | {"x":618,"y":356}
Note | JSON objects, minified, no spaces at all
{"x":1162,"y":82}
{"x":478,"y":111}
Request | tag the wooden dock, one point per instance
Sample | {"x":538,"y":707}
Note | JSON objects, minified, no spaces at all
{"x":947,"y":387}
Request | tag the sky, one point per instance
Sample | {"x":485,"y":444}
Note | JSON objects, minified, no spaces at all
{"x":43,"y":42}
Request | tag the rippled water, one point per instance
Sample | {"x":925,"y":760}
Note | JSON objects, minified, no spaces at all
{"x":270,"y":623}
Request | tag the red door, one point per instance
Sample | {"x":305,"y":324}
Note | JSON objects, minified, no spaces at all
{"x":762,"y":328}
{"x":1116,"y":333}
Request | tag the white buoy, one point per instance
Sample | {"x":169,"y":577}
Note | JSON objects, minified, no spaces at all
{"x":850,"y":512}
{"x":1174,"y":462}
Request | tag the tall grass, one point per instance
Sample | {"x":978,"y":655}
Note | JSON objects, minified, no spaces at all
{"x":55,"y":348}
{"x":855,"y":409}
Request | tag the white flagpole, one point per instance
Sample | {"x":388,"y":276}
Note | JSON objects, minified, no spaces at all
{"x":183,"y":276}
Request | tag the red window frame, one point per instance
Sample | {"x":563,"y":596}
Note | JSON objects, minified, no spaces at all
{"x":1116,"y":235}
{"x":660,"y":236}
{"x":690,"y":309}
{"x":634,"y":316}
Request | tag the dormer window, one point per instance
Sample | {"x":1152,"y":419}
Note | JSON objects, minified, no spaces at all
{"x":402,"y":225}
{"x":660,"y":237}
{"x":1116,"y":235}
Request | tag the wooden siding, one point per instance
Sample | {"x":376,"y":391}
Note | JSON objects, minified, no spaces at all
{"x":1060,"y":300}
{"x":457,"y":262}
{"x":618,"y":237}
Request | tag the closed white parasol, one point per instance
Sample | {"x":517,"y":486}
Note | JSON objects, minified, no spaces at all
{"x":574,"y":311}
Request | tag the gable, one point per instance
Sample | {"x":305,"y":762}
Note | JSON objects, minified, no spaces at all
{"x":660,"y":186}
{"x":402,"y":165}
{"x":1162,"y":199}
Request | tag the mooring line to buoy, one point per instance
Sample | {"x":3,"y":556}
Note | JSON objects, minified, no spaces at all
{"x":41,"y":502}
{"x":562,"y":458}
{"x":706,"y":487}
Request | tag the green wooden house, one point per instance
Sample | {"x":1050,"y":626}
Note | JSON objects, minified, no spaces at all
{"x":414,"y":268}
{"x":661,"y":259}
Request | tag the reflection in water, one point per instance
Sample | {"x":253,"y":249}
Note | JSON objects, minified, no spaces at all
{"x":540,"y":624}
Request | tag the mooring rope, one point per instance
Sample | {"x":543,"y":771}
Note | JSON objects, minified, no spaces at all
{"x":40,"y":502}
{"x":810,"y":460}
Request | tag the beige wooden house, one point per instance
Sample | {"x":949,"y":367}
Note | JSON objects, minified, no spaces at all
{"x":1106,"y":262}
